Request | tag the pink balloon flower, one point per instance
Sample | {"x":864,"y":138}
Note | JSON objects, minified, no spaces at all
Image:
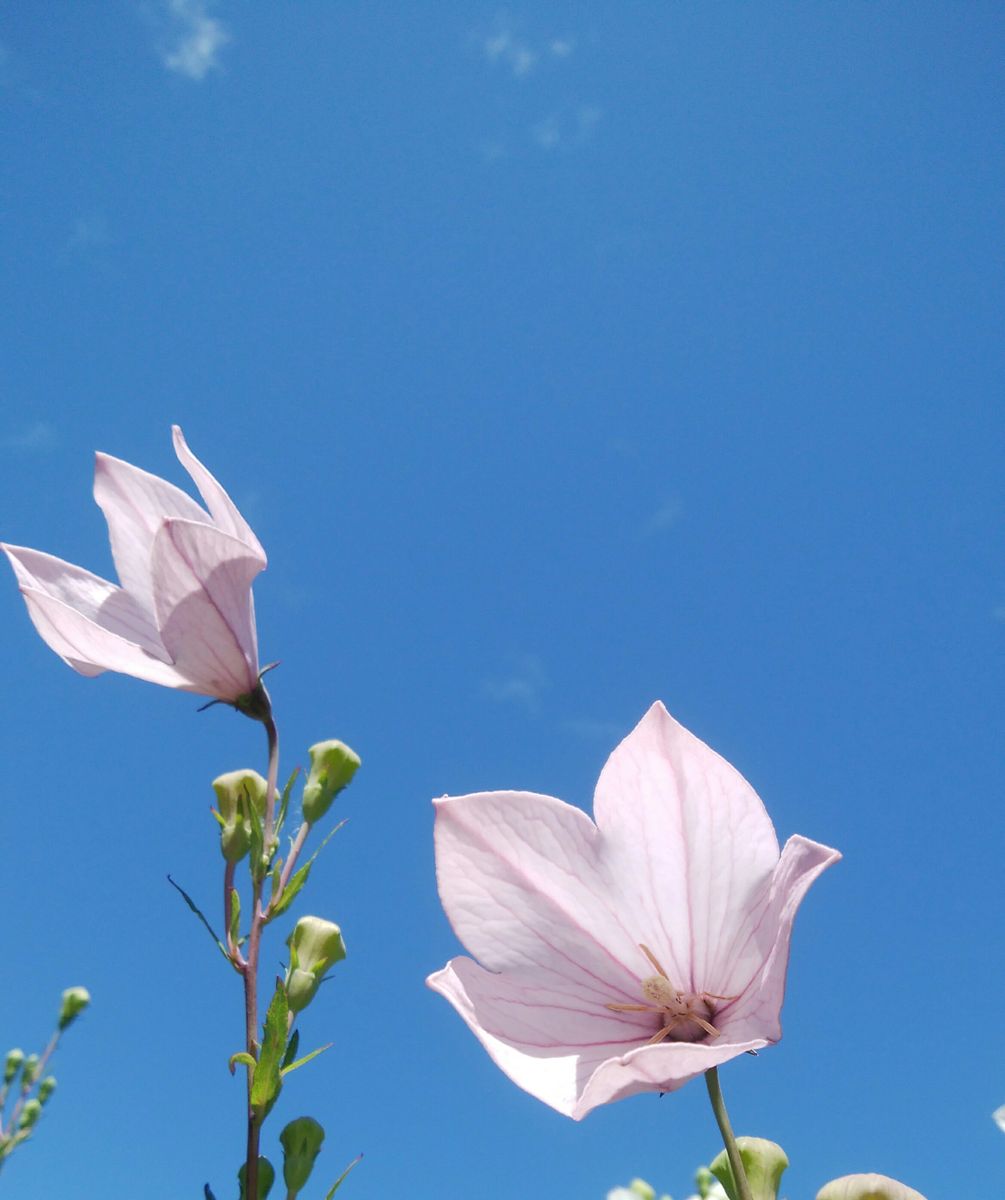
{"x":628,"y":955}
{"x":184,"y":616}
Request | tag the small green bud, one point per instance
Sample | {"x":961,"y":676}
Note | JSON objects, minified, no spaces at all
{"x":266,"y":1178}
{"x":29,"y":1070}
{"x":709,"y":1188}
{"x":301,"y":1141}
{"x":333,"y":765}
{"x":867,"y":1187}
{"x":237,"y":793}
{"x":46,"y":1088}
{"x":29,"y":1114}
{"x":315,"y":946}
{"x":12,"y":1065}
{"x":763,"y":1162}
{"x":75,"y":1000}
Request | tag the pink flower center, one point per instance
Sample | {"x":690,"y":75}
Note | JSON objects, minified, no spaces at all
{"x":685,"y":1016}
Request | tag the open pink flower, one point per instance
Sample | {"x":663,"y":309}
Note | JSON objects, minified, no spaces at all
{"x":184,"y":615}
{"x":628,"y":955}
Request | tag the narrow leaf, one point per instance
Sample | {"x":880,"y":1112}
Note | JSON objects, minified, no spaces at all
{"x":198,"y":912}
{"x":207,"y":1192}
{"x":284,"y":800}
{"x":338,"y":1182}
{"x":291,"y":1049}
{"x":235,"y":916}
{"x":306,"y":1059}
{"x":300,"y":876}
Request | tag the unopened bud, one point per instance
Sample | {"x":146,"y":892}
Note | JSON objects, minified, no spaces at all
{"x":763,"y":1164}
{"x":29,"y":1070}
{"x":241,"y":798}
{"x":75,"y":1000}
{"x":266,"y":1178}
{"x":333,"y":765}
{"x":867,"y":1187}
{"x":301,"y":1141}
{"x":29,"y":1114}
{"x":12,"y":1064}
{"x":46,"y":1088}
{"x":315,"y":946}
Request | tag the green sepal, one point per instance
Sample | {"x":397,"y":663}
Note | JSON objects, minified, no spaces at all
{"x":266,"y":1178}
{"x":267,"y":1082}
{"x":291,"y":1049}
{"x":198,"y":912}
{"x":242,"y":1057}
{"x":306,"y":1059}
{"x":341,"y":1179}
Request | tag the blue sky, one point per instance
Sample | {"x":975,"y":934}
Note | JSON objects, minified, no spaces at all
{"x":563,"y":358}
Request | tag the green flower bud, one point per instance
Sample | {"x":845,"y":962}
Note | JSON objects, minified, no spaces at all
{"x":709,"y":1188}
{"x":867,"y":1187}
{"x":29,"y":1114}
{"x":46,"y":1088}
{"x":763,"y":1162}
{"x":13,"y":1064}
{"x":333,"y":765}
{"x":75,"y":1000}
{"x":266,"y":1178}
{"x":238,"y":793}
{"x":301,"y":1141}
{"x":29,"y":1070}
{"x":315,"y":946}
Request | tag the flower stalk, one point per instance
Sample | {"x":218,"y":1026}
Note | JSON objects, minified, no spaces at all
{"x":728,"y":1138}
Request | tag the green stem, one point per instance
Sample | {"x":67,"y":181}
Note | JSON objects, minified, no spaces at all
{"x":250,"y":971}
{"x":728,"y":1138}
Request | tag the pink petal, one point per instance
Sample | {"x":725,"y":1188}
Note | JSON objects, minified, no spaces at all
{"x":761,"y":949}
{"x":566,"y":1055}
{"x":689,"y":843}
{"x":521,"y":881}
{"x":223,"y":509}
{"x":202,"y":592}
{"x":101,"y":602}
{"x":135,"y":503}
{"x":89,"y":633}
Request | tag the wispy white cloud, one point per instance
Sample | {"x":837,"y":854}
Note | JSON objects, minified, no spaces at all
{"x":504,"y":47}
{"x":39,"y":435}
{"x":195,"y":40}
{"x":571,"y":128}
{"x":664,"y":518}
{"x":523,"y":685}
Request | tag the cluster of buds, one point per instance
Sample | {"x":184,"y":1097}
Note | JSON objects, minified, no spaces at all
{"x":25,"y":1081}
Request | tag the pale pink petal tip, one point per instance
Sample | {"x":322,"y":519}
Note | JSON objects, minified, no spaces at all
{"x":628,"y":955}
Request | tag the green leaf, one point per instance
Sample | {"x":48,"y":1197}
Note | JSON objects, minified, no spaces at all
{"x":198,"y":912}
{"x":284,"y":800}
{"x":235,"y":916}
{"x":338,"y":1182}
{"x":306,"y":1059}
{"x":291,"y":1049}
{"x":267,"y":1082}
{"x":242,"y":1057}
{"x":207,"y":1192}
{"x":300,"y":877}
